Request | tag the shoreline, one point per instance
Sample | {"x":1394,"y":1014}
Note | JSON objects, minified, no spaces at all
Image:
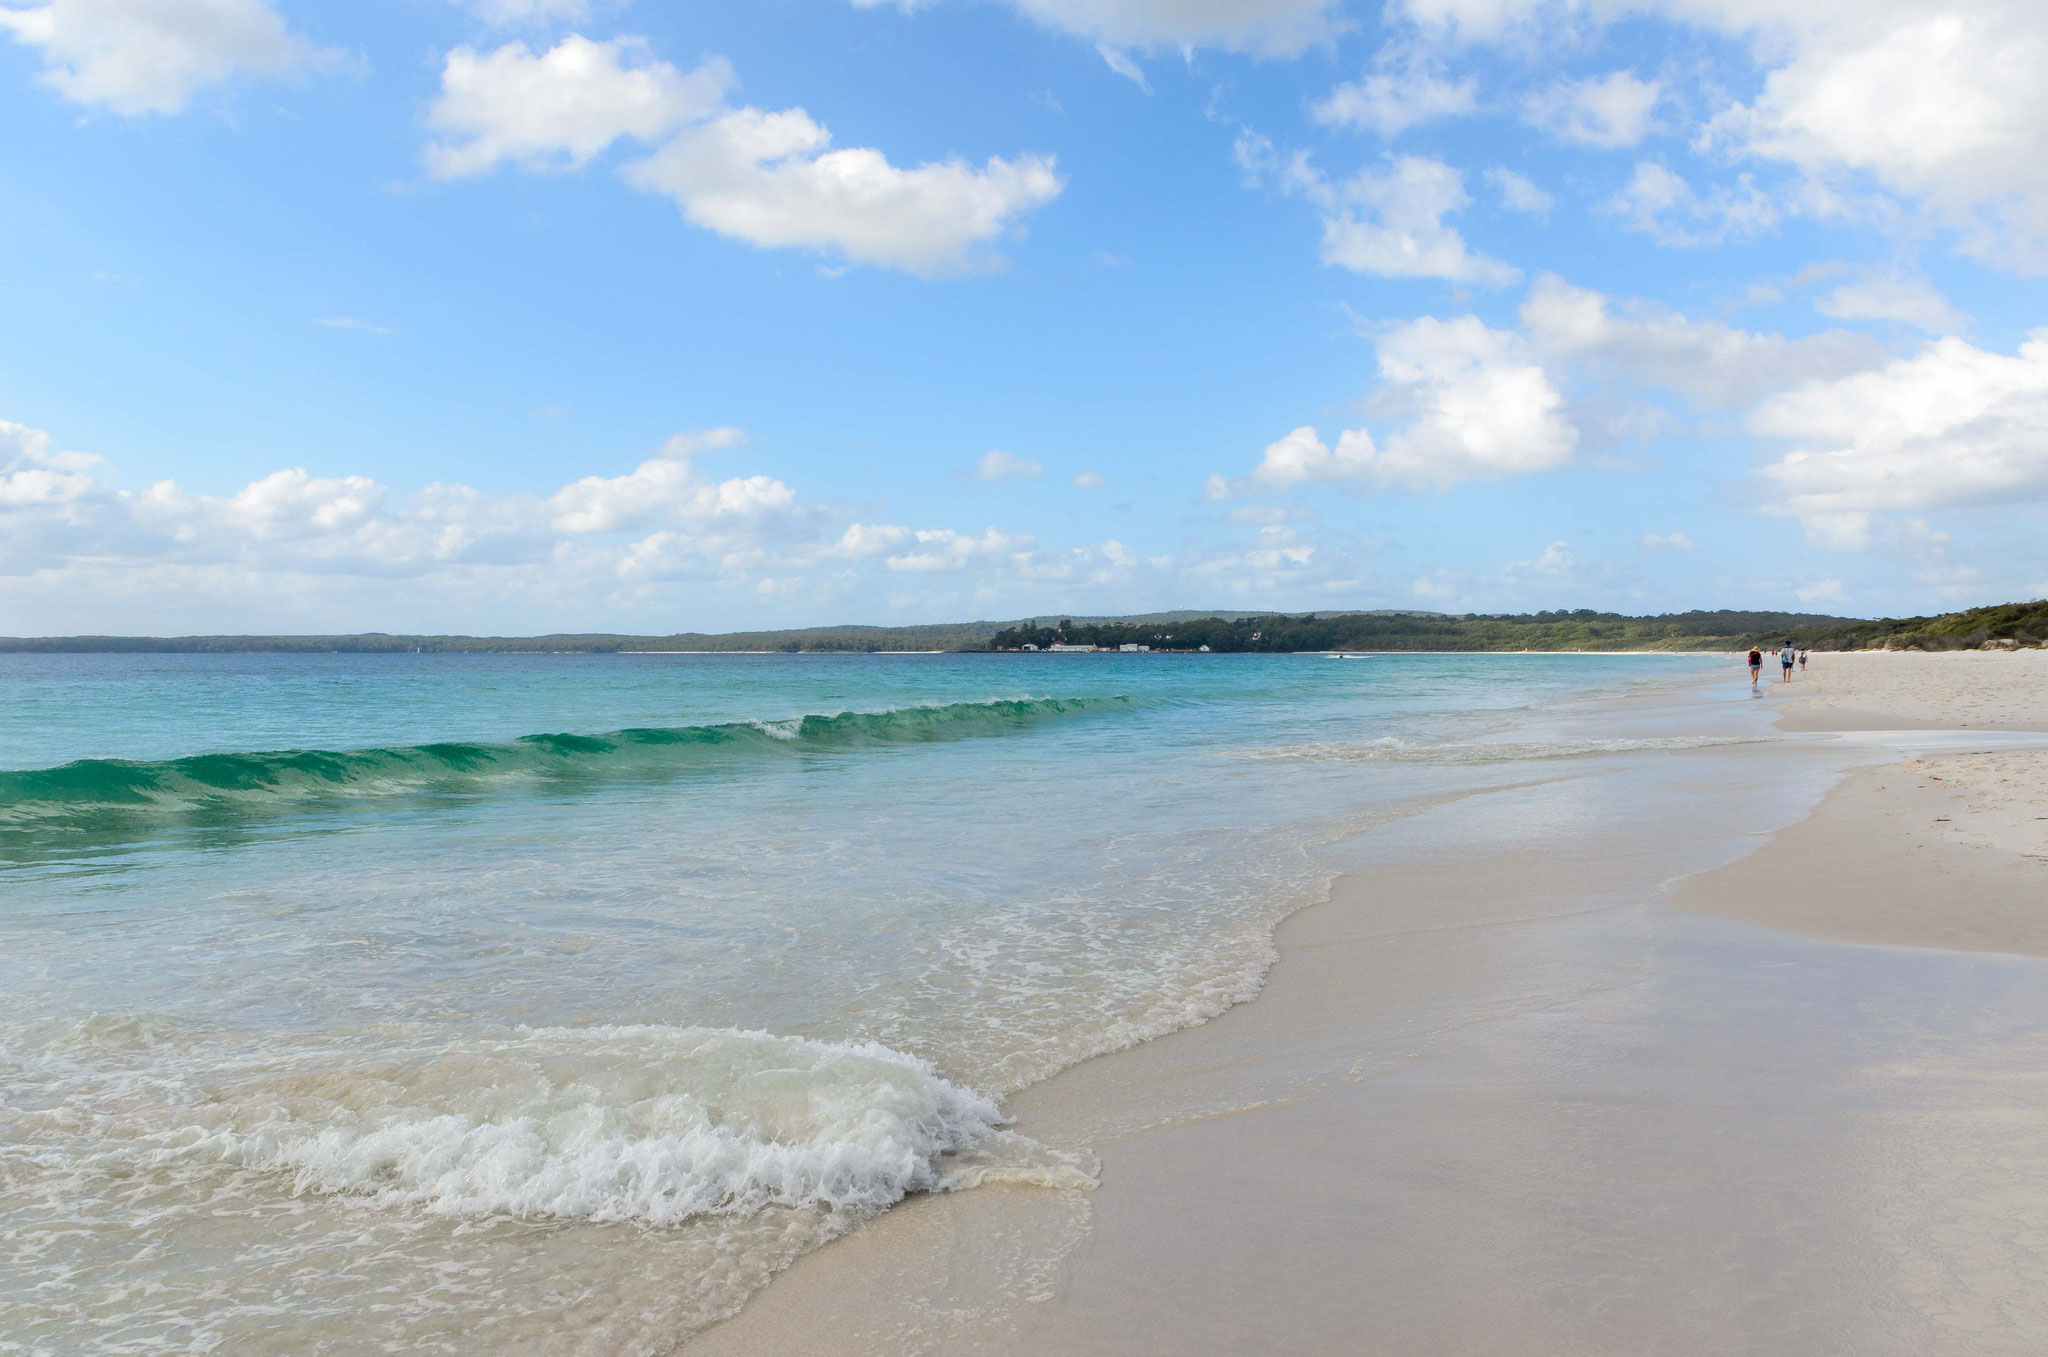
{"x":1374,"y":1015}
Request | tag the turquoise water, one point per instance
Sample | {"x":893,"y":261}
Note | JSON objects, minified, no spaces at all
{"x":440,"y":989}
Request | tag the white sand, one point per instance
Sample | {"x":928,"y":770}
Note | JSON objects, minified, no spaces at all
{"x":1506,"y":1100}
{"x":1907,"y":690}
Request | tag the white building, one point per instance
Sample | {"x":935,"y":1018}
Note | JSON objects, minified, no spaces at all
{"x":1129,"y":649}
{"x":1062,"y":648}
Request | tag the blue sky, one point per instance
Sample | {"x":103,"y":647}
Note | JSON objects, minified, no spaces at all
{"x":526,"y":315}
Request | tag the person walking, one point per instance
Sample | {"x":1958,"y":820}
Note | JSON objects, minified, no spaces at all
{"x":1788,"y":657}
{"x":1756,"y":666}
{"x":1802,"y":661}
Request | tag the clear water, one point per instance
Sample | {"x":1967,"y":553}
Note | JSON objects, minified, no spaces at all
{"x":342,"y":1011}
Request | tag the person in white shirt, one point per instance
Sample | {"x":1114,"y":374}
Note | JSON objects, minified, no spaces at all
{"x":1787,"y":657}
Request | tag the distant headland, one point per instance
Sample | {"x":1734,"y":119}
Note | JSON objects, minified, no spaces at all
{"x":1221,"y":632}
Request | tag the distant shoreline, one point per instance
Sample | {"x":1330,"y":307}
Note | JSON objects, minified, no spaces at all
{"x":1389,"y":631}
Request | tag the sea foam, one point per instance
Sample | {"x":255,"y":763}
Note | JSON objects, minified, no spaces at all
{"x":654,"y":1125}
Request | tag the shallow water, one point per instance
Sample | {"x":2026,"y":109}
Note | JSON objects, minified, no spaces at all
{"x":554,"y":1002}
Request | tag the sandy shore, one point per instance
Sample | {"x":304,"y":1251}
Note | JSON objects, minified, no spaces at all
{"x":1510,"y":1101}
{"x":1945,"y":849}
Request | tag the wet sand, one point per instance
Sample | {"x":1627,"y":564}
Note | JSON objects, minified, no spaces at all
{"x":1508,"y":1100}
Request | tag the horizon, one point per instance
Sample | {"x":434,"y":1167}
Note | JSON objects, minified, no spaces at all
{"x":1162,"y":616}
{"x":477,"y":317}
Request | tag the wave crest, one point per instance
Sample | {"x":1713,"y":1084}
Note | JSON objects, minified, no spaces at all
{"x":651,"y":1125}
{"x":230,"y":784}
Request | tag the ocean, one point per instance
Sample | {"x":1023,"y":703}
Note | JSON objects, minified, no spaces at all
{"x":555,"y":1002}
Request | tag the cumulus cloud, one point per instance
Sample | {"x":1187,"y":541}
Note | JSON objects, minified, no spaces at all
{"x":1950,"y":425}
{"x":557,"y":109}
{"x":1937,"y":105}
{"x":1271,"y":27}
{"x":1089,"y":480}
{"x":305,"y":548}
{"x":1608,"y":112}
{"x":1477,"y":408}
{"x":1302,"y":458}
{"x":770,"y":179}
{"x":153,"y":56}
{"x":34,"y":476}
{"x":1713,"y":363}
{"x":1942,"y":104}
{"x":1388,"y":102}
{"x":943,"y":549}
{"x":1390,"y":224}
{"x":1665,"y":541}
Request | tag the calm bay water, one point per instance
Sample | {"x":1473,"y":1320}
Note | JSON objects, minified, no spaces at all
{"x":554,"y":1002}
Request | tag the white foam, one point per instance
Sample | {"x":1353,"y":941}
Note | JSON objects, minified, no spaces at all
{"x":654,"y":1125}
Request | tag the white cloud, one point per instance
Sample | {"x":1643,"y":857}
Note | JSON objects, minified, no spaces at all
{"x":1662,"y":205}
{"x":1951,"y":425}
{"x":943,"y":549}
{"x":1302,"y":458}
{"x":769,"y":179}
{"x":1609,"y":112}
{"x":1941,"y":103}
{"x":1477,"y":407}
{"x":1089,"y":480}
{"x":1390,"y":224}
{"x":1518,"y":192}
{"x":1709,"y":361}
{"x":1665,"y":541}
{"x":1272,"y":27}
{"x":152,"y":56}
{"x":1893,"y":297}
{"x":1400,"y":231}
{"x":1389,"y":102}
{"x":558,"y":109}
{"x":1483,"y":408}
{"x":34,"y":477}
{"x":1821,"y":591}
{"x":861,"y":540}
{"x":997,"y":465}
{"x":302,"y":549}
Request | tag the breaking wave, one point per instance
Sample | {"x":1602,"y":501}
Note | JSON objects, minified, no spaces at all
{"x":652,"y":1125}
{"x":230,"y":784}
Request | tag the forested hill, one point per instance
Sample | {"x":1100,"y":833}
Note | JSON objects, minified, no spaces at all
{"x":2023,"y":624}
{"x":1583,"y":629}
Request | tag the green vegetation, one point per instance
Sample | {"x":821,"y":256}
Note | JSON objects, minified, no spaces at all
{"x":2024,"y":624}
{"x":1583,"y":629}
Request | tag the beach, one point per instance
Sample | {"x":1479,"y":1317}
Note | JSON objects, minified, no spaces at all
{"x":740,"y":1004}
{"x":1736,"y":1049}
